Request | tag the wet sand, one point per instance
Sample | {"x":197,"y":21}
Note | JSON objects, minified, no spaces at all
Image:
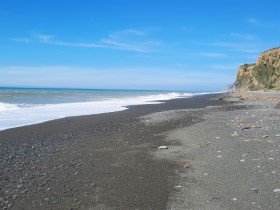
{"x":112,"y":161}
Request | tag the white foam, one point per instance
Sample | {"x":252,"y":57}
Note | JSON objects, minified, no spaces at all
{"x":16,"y":115}
{"x":4,"y":107}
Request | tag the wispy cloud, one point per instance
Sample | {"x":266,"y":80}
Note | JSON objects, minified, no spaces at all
{"x":248,"y":37}
{"x":25,"y":40}
{"x":49,"y":39}
{"x":257,"y":23}
{"x":252,"y":21}
{"x":43,"y":37}
{"x":126,"y":40}
{"x":127,"y":33}
{"x":209,"y":54}
{"x":237,"y":46}
{"x":224,"y":66}
{"x":132,"y":40}
{"x":182,"y":65}
{"x":187,"y":28}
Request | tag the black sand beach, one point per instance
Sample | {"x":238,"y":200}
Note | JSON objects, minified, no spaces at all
{"x":112,"y":160}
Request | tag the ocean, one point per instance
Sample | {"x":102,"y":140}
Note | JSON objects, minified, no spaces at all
{"x":26,"y":106}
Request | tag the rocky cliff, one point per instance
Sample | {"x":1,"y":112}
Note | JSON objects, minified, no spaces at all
{"x":263,"y":75}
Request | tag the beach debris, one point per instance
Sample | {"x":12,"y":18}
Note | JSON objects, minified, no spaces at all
{"x":219,"y":151}
{"x":242,"y":160}
{"x":186,"y":165}
{"x":254,"y":189}
{"x":270,"y":158}
{"x":163,"y":147}
{"x":241,"y":121}
{"x":276,"y":190}
{"x":205,"y":174}
{"x":42,"y":184}
{"x":245,"y":128}
{"x":265,"y":136}
{"x":277,"y":135}
{"x":255,"y":126}
{"x":219,"y":156}
{"x":179,"y":186}
{"x":208,"y":143}
{"x":234,"y":199}
{"x":23,"y":191}
{"x":244,"y":155}
{"x":217,"y":137}
{"x":221,"y":98}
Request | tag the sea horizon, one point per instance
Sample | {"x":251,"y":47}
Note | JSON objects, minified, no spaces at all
{"x":113,"y":89}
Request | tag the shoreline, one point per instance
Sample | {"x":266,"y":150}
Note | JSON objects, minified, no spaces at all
{"x":112,"y":160}
{"x":18,"y":114}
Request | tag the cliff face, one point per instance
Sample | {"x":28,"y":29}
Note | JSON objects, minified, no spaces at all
{"x":263,"y":75}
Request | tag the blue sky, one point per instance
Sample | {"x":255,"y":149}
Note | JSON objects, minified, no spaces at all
{"x":133,"y":44}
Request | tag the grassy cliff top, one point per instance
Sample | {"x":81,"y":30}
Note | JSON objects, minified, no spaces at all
{"x":246,"y":65}
{"x":275,"y":48}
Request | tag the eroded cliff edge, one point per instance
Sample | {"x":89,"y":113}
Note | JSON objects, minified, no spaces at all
{"x":263,"y":75}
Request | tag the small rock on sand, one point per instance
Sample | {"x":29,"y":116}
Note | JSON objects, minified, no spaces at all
{"x":186,"y":165}
{"x":246,"y":128}
{"x":163,"y":147}
{"x":179,"y":186}
{"x":276,"y":190}
{"x":254,"y":189}
{"x":265,"y":136}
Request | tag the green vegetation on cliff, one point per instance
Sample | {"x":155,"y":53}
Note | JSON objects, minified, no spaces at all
{"x":264,"y":75}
